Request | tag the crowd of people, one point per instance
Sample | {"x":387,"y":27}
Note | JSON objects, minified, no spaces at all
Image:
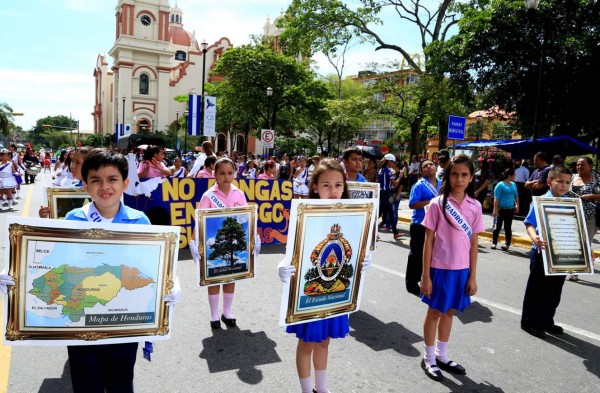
{"x":446,"y":197}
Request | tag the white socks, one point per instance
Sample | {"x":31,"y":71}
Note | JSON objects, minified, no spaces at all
{"x":429,"y":356}
{"x":227,"y":301}
{"x":306,"y":385}
{"x":213,"y":301}
{"x":441,"y":351}
{"x":321,"y":381}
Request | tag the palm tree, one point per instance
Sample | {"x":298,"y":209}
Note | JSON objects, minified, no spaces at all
{"x":6,"y":119}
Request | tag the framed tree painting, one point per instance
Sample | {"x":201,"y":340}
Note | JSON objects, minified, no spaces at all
{"x":225,"y":239}
{"x":327,"y":243}
{"x":62,"y":200}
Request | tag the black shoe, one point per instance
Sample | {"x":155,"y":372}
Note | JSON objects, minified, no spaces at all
{"x":493,"y":247}
{"x":534,"y":332}
{"x":432,"y":372}
{"x":451,"y":366}
{"x":230,"y":322}
{"x":215,"y":324}
{"x":504,"y":248}
{"x":555,"y":329}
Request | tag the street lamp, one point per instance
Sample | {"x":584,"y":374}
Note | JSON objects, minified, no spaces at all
{"x":185,"y":114}
{"x":269,"y":98}
{"x":178,"y":124}
{"x":123,"y":116}
{"x":204,"y":46}
{"x":532,"y":6}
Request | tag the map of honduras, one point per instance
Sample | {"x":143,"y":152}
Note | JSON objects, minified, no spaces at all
{"x":70,"y":285}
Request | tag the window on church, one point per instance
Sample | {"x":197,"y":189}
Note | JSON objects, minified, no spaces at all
{"x":180,"y":55}
{"x":144,"y":84}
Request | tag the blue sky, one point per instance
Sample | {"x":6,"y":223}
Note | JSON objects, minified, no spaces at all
{"x":50,"y":47}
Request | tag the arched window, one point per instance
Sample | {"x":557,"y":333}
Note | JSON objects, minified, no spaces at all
{"x":144,"y":84}
{"x":180,"y":55}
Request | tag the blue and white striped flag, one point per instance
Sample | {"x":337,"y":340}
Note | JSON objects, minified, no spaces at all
{"x":118,"y":131}
{"x":195,"y":114}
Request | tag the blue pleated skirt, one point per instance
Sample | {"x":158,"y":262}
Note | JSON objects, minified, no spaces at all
{"x":449,"y":290}
{"x":317,"y":331}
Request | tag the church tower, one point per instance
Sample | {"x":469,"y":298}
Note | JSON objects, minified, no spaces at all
{"x":142,"y":55}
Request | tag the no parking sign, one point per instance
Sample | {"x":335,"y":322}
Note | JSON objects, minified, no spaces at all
{"x":267,"y":138}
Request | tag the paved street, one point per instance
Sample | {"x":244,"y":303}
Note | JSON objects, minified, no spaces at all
{"x":382,"y":352}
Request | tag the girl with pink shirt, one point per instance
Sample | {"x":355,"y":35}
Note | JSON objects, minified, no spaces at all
{"x":268,"y":170}
{"x":227,"y":195}
{"x":452,"y":223}
{"x":208,"y":172}
{"x":152,"y":164}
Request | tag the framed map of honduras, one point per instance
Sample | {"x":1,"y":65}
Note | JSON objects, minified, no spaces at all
{"x":80,"y":283}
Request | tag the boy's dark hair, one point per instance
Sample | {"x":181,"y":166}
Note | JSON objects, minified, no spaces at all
{"x":209,"y":161}
{"x":557,"y":160}
{"x":557,"y":170}
{"x":327,"y":164}
{"x":542,"y":156}
{"x":349,"y":151}
{"x":98,"y":158}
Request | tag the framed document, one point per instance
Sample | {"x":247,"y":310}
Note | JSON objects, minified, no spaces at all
{"x":362,"y":190}
{"x":561,"y":221}
{"x":80,"y":283}
{"x":327,"y":243}
{"x":62,"y":200}
{"x":225,"y":240}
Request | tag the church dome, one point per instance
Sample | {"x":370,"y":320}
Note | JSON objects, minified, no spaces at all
{"x":182,"y":37}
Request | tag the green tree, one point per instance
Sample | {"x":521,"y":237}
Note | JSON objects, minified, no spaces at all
{"x":6,"y":119}
{"x":230,"y":239}
{"x":38,"y":134}
{"x":320,"y":25}
{"x":242,"y":99}
{"x":541,"y":65}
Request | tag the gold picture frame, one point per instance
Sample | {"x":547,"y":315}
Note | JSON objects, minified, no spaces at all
{"x":62,"y":200}
{"x":78,"y":283}
{"x":364,"y":190}
{"x":225,"y":239}
{"x":561,"y":222}
{"x":327,"y":244}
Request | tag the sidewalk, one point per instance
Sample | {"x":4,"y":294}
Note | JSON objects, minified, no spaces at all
{"x":519,"y":235}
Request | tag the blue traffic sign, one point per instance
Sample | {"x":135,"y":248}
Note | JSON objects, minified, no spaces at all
{"x":456,"y":127}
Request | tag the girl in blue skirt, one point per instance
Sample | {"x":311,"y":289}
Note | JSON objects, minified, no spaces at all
{"x":452,"y":223}
{"x":328,"y":181}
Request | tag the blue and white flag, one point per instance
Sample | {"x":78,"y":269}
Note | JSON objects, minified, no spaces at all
{"x":195,"y":113}
{"x":210,"y":115}
{"x":119,"y":130}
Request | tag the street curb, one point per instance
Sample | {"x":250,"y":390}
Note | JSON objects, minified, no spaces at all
{"x":517,"y":241}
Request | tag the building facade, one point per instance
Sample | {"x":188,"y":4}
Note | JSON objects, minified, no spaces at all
{"x":154,"y":60}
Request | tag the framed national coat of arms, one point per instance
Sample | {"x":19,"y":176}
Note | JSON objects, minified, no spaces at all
{"x":327,"y":243}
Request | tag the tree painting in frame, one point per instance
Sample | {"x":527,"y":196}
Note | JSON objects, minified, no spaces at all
{"x":81,"y":283}
{"x":62,"y":200}
{"x":226,"y":244}
{"x":365,"y":190}
{"x":329,"y":243}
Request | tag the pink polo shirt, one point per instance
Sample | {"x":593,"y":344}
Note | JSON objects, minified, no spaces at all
{"x":264,"y":176}
{"x":233,"y":199}
{"x":451,"y":246}
{"x":205,"y":174}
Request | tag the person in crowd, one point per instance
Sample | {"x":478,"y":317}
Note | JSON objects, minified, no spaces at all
{"x":207,"y":151}
{"x":542,"y":293}
{"x":268,"y":171}
{"x":521,"y":176}
{"x":328,"y":182}
{"x":385,"y":186}
{"x":8,"y":181}
{"x":314,"y":162}
{"x":208,"y":171}
{"x":538,"y":181}
{"x":483,"y":177}
{"x":506,"y":205}
{"x":452,"y":224}
{"x":60,"y":163}
{"x":152,"y":164}
{"x":250,"y":171}
{"x":395,"y":196}
{"x":413,"y":171}
{"x":558,"y":160}
{"x":284,"y":168}
{"x":443,"y":161}
{"x":30,"y":160}
{"x":16,"y":159}
{"x":353,"y":163}
{"x":424,"y":190}
{"x":178,"y":170}
{"x":586,"y":185}
{"x":74,"y":161}
{"x":300,"y":179}
{"x":371,"y":172}
{"x":221,"y":195}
